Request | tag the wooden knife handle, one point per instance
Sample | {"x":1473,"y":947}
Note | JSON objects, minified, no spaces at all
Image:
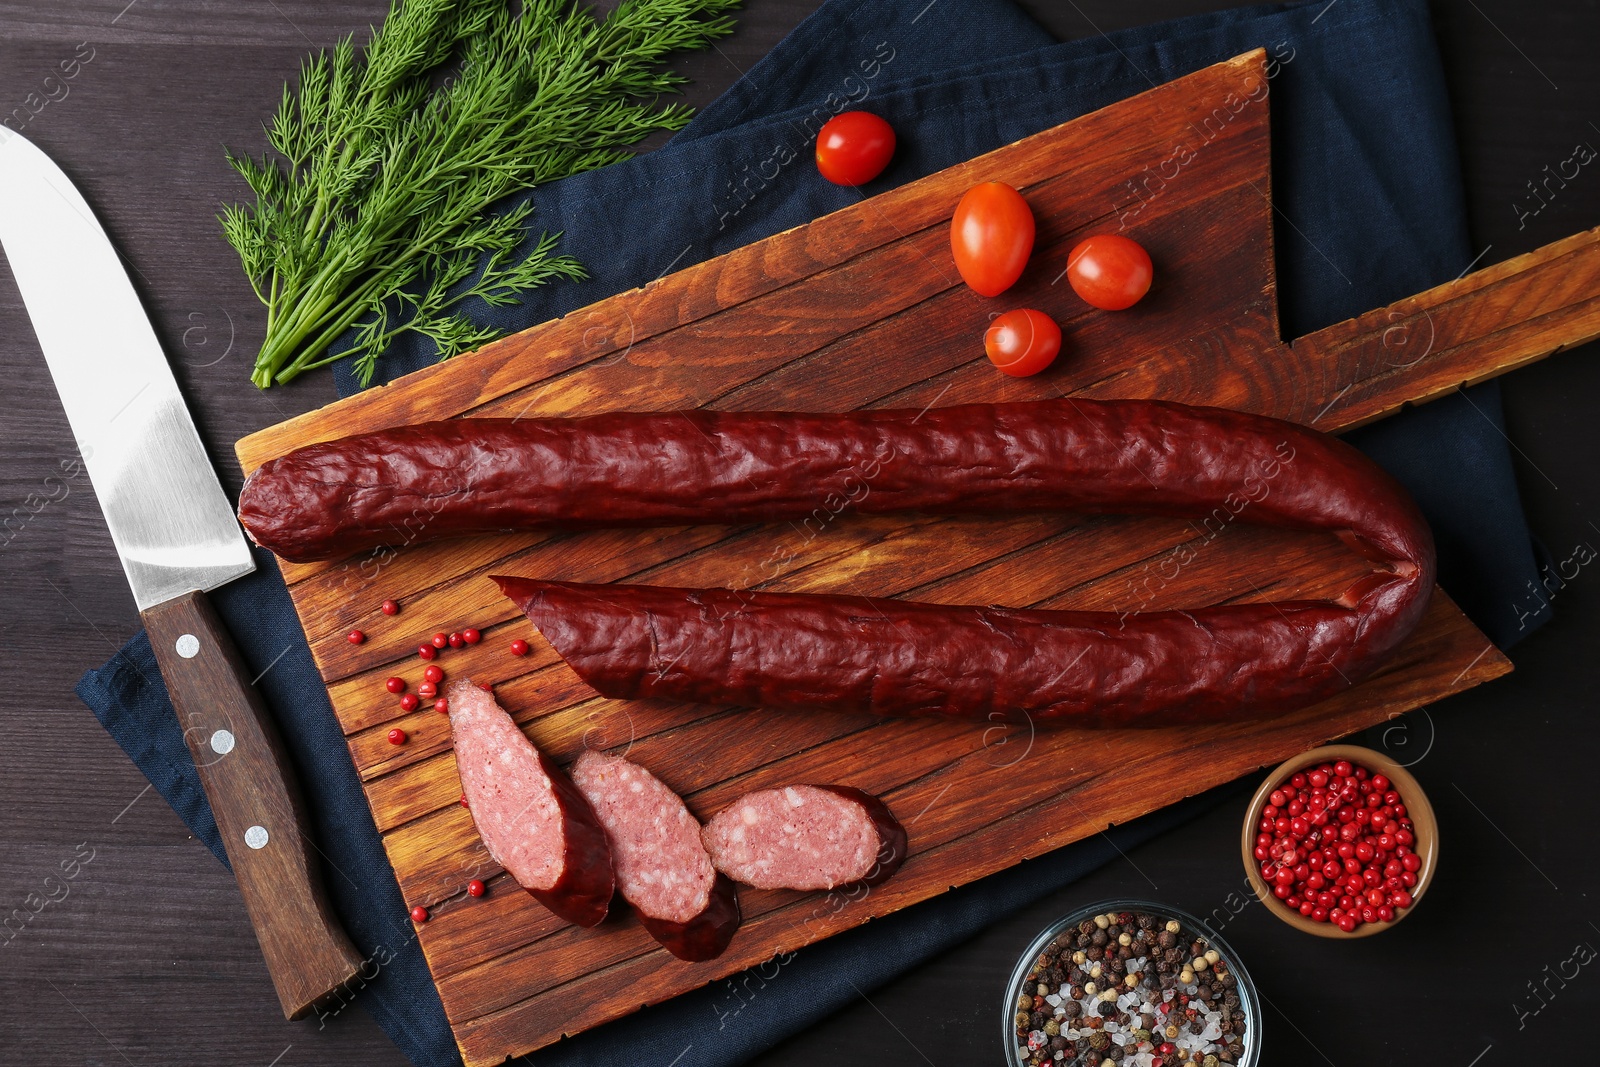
{"x":251,"y":786}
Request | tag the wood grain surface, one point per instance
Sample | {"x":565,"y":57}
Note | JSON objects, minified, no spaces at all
{"x":863,"y":308}
{"x":145,"y":956}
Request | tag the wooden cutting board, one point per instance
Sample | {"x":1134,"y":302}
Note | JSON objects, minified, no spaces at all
{"x":863,"y":308}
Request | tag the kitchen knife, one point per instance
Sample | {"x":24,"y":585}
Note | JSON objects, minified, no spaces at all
{"x":177,"y":538}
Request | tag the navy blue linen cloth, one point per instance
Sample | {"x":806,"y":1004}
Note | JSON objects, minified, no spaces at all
{"x":1365,"y":176}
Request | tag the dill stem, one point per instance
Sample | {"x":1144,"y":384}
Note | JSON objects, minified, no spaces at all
{"x":332,"y":322}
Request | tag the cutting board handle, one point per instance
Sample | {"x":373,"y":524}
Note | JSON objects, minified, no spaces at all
{"x":251,"y":785}
{"x":1474,"y":328}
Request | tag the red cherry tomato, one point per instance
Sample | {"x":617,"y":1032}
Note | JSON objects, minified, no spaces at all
{"x":854,"y":147}
{"x":1110,"y":271}
{"x":1022,"y":342}
{"x":991,"y":237}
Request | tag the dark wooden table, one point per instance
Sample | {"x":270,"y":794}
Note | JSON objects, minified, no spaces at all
{"x":146,"y":956}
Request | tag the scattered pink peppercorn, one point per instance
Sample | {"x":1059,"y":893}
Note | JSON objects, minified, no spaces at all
{"x":519,"y":647}
{"x":433,"y":673}
{"x":409,"y":702}
{"x":475,"y":888}
{"x":426,"y":651}
{"x":471,"y":636}
{"x":355,"y":637}
{"x":419,"y":914}
{"x":441,"y":640}
{"x":456,"y":640}
{"x":442,"y":706}
{"x":397,"y":736}
{"x":391,"y":607}
{"x":395,"y":685}
{"x":427,"y":690}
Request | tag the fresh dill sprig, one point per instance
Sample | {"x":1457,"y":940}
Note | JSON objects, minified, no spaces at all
{"x":374,"y":207}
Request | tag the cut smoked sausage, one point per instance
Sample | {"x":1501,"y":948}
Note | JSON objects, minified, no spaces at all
{"x":662,"y":866}
{"x":806,"y":837}
{"x":531,"y":818}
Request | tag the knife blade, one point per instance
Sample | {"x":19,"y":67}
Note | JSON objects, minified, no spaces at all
{"x":177,"y":538}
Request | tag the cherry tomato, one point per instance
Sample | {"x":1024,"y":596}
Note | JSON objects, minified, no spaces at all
{"x":991,"y":237}
{"x":1022,"y":342}
{"x":1110,"y":271}
{"x":853,"y":147}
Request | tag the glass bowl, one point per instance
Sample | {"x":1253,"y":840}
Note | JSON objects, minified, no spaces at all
{"x":1249,"y":1003}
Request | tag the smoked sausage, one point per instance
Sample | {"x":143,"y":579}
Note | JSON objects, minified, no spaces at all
{"x":662,"y":866}
{"x":806,"y":837}
{"x":531,"y":818}
{"x":470,"y":476}
{"x":887,"y":657}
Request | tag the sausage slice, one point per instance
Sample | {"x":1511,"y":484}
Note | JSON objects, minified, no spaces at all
{"x":531,"y":818}
{"x":662,"y":866}
{"x":806,"y":837}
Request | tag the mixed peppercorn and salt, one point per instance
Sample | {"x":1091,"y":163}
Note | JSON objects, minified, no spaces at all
{"x":1129,"y":989}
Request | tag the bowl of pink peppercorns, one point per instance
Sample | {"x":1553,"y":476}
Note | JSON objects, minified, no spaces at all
{"x":1340,"y":841}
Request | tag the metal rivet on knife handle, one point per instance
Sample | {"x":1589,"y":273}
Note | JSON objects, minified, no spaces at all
{"x":188,"y":646}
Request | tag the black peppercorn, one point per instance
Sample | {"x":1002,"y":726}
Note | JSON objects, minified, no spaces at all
{"x":1099,"y":937}
{"x":1038,"y":1020}
{"x":1166,"y":939}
